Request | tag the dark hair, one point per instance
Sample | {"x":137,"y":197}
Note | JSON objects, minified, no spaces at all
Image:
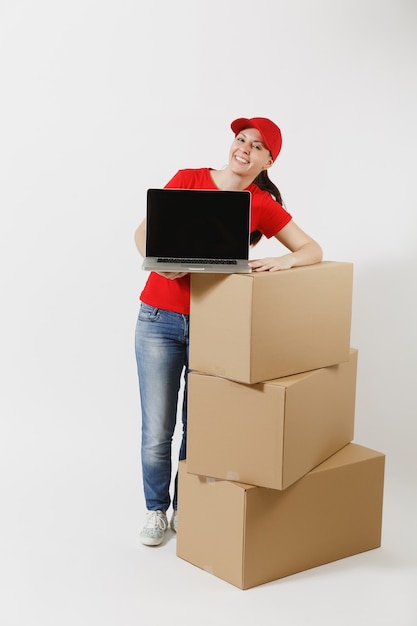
{"x":265,"y":183}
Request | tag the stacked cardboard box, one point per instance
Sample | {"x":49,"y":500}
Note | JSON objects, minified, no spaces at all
{"x":273,"y":484}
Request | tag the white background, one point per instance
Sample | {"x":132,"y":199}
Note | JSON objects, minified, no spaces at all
{"x":99,"y":101}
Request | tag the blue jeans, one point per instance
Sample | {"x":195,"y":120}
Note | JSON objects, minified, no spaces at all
{"x":161,"y":343}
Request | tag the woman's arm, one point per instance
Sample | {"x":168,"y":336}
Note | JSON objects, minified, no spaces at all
{"x":140,"y":237}
{"x":304,"y":251}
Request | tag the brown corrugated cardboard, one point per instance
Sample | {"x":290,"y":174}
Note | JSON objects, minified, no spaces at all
{"x":255,"y":327}
{"x":250,"y":535}
{"x":269,"y":434}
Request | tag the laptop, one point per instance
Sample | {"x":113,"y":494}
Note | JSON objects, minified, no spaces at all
{"x":196,"y":230}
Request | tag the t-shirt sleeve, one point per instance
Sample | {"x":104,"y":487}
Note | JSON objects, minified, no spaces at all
{"x":192,"y":179}
{"x":176,"y":181}
{"x":184,"y":179}
{"x":268,"y":216}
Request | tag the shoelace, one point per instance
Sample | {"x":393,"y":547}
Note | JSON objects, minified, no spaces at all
{"x":155,"y":520}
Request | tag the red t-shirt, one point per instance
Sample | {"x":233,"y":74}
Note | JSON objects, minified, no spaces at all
{"x":267,"y":216}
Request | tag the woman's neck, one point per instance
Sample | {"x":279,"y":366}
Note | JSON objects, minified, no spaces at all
{"x":229,"y":181}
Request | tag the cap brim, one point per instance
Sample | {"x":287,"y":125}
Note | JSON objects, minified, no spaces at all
{"x":240,"y":124}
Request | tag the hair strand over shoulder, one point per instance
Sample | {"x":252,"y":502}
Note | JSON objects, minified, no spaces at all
{"x":265,"y":183}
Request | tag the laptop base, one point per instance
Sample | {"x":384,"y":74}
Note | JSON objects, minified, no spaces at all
{"x":153,"y":265}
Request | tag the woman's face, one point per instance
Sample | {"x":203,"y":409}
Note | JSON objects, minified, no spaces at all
{"x":248,"y":154}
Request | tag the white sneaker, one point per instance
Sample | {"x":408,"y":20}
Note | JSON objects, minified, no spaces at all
{"x":174,"y":521}
{"x":154,"y":528}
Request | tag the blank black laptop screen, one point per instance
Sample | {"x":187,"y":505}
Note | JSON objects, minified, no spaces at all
{"x":186,"y":223}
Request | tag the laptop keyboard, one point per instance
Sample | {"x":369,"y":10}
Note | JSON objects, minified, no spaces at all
{"x":198,"y":261}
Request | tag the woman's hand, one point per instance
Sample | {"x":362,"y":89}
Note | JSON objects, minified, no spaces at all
{"x":272,"y":264}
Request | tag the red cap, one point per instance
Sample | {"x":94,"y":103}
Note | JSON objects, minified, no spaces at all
{"x":270,"y":132}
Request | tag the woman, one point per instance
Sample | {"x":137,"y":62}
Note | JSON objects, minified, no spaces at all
{"x":162,"y":327}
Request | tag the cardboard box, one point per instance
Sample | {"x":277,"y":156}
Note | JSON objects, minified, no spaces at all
{"x":250,"y":535}
{"x":259,"y":326}
{"x":269,"y":434}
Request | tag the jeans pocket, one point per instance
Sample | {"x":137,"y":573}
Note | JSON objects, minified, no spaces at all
{"x":148,"y":313}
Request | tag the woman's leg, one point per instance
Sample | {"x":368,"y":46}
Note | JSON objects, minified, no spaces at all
{"x":161,"y":352}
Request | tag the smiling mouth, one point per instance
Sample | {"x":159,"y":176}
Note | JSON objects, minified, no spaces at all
{"x":241,"y":160}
